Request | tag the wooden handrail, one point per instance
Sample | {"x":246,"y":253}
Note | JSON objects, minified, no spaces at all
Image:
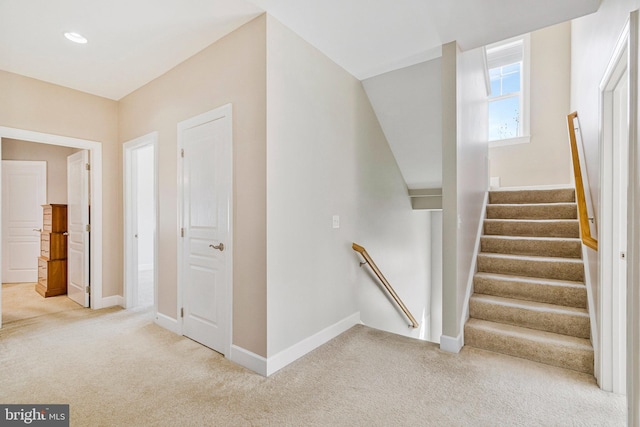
{"x":362,"y":251}
{"x":583,"y":215}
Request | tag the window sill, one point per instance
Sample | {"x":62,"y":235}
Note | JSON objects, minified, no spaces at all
{"x":510,"y":141}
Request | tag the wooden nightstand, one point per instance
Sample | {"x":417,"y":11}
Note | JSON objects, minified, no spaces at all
{"x":52,"y":263}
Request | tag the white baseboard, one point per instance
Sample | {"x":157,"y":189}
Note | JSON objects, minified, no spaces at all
{"x":539,"y":187}
{"x":112,"y":301}
{"x":167,"y":322}
{"x":451,"y":344}
{"x":296,"y":351}
{"x":248,"y":359}
{"x":268,"y":366}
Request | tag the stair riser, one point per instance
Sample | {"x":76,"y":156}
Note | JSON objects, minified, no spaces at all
{"x":561,"y":270}
{"x":569,"y":229}
{"x":560,"y":323}
{"x":560,"y":295}
{"x":549,"y":248}
{"x":555,"y":355}
{"x":532,"y":196}
{"x":565,"y":211}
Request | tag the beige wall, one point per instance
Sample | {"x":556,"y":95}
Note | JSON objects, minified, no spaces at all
{"x":546,"y":159}
{"x":54,"y":155}
{"x":326,"y":156}
{"x":232,"y":70}
{"x":37,"y":106}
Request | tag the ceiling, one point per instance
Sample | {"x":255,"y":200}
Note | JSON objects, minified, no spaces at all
{"x":131,"y":42}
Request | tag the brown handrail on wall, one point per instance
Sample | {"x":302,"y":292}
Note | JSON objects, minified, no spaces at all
{"x":362,"y":251}
{"x":583,"y":215}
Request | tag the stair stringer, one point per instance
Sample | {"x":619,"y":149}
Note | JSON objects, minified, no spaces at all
{"x":455,"y":344}
{"x":473,"y":268}
{"x":595,"y":330}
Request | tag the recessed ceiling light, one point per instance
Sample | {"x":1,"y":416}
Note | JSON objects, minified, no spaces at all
{"x":75,"y":37}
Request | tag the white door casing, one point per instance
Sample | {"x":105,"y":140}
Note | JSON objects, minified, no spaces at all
{"x":95,"y":149}
{"x":205,"y":255}
{"x":77,"y":227}
{"x":132,"y":218}
{"x":614,"y":91}
{"x":24,"y":191}
{"x":620,"y":187}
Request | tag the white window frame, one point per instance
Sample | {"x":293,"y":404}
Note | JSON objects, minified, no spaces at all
{"x":525,"y":90}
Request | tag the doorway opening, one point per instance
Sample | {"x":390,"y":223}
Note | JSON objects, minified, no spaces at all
{"x":140,"y":213}
{"x":95,"y":150}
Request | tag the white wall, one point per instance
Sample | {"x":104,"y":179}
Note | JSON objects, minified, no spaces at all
{"x":146,"y":213}
{"x":408,"y":104}
{"x":465,"y":179}
{"x":546,"y":159}
{"x":473,"y":174}
{"x":327,"y":155}
{"x":593,"y":39}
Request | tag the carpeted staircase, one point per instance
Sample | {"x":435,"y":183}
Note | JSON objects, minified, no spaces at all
{"x":530,"y":300}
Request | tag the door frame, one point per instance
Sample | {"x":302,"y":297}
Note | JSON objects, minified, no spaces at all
{"x":130,"y":283}
{"x":95,"y":151}
{"x":224,"y":111}
{"x":611,"y":302}
{"x":633,"y":230}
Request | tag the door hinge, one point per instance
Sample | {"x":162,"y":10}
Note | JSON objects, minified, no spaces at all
{"x":182,"y":232}
{"x":87,"y":166}
{"x":88,"y":228}
{"x":88,"y":289}
{"x":182,"y":312}
{"x":182,"y":152}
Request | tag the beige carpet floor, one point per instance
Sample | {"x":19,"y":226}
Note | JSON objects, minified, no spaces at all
{"x":21,"y":301}
{"x":117,"y":368}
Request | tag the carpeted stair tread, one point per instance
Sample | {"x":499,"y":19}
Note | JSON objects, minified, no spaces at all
{"x":530,"y":314}
{"x":527,"y":245}
{"x":529,"y":297}
{"x":540,"y":346}
{"x":532,"y":211}
{"x":551,"y":291}
{"x":562,"y":195}
{"x":533,"y":227}
{"x":532,"y":266}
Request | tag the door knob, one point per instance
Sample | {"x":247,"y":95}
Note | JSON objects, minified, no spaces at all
{"x":39,"y":230}
{"x":219,"y":247}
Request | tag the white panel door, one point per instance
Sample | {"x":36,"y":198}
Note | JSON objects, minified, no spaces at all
{"x":206,"y":203}
{"x":77,"y":227}
{"x":24,"y":191}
